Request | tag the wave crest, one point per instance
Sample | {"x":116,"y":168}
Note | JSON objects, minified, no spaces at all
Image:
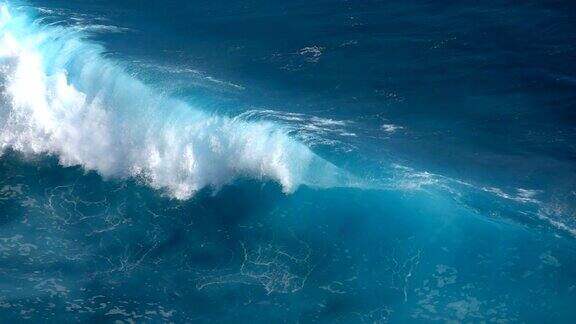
{"x":60,"y":96}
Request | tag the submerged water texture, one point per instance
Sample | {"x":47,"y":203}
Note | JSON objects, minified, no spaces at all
{"x":334,"y":161}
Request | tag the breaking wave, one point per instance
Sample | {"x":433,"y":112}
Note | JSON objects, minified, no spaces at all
{"x":60,"y":96}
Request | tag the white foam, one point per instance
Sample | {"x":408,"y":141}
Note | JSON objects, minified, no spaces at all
{"x":391,"y":128}
{"x":312,"y":130}
{"x":61,"y":97}
{"x":311,"y":53}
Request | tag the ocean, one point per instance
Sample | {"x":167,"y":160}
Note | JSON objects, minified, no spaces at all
{"x":326,"y":161}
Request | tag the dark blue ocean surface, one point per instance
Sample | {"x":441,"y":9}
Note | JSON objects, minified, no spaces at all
{"x":300,"y":161}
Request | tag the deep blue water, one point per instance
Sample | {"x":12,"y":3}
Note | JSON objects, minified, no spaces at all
{"x":270,"y":162}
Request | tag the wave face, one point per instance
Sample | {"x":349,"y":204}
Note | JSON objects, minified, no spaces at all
{"x":61,"y":96}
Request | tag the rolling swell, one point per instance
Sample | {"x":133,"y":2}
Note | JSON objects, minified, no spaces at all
{"x":62,"y":97}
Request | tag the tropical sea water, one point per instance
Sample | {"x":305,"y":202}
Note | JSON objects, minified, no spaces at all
{"x":334,"y":161}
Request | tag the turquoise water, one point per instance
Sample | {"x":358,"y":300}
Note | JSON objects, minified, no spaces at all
{"x":335,"y":161}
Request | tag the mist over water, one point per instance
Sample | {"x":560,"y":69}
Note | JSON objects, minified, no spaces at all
{"x":265,"y":162}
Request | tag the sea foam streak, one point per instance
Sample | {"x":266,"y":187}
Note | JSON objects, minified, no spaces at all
{"x":61,"y":97}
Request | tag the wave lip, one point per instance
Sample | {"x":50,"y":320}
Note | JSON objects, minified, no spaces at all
{"x":61,"y":97}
